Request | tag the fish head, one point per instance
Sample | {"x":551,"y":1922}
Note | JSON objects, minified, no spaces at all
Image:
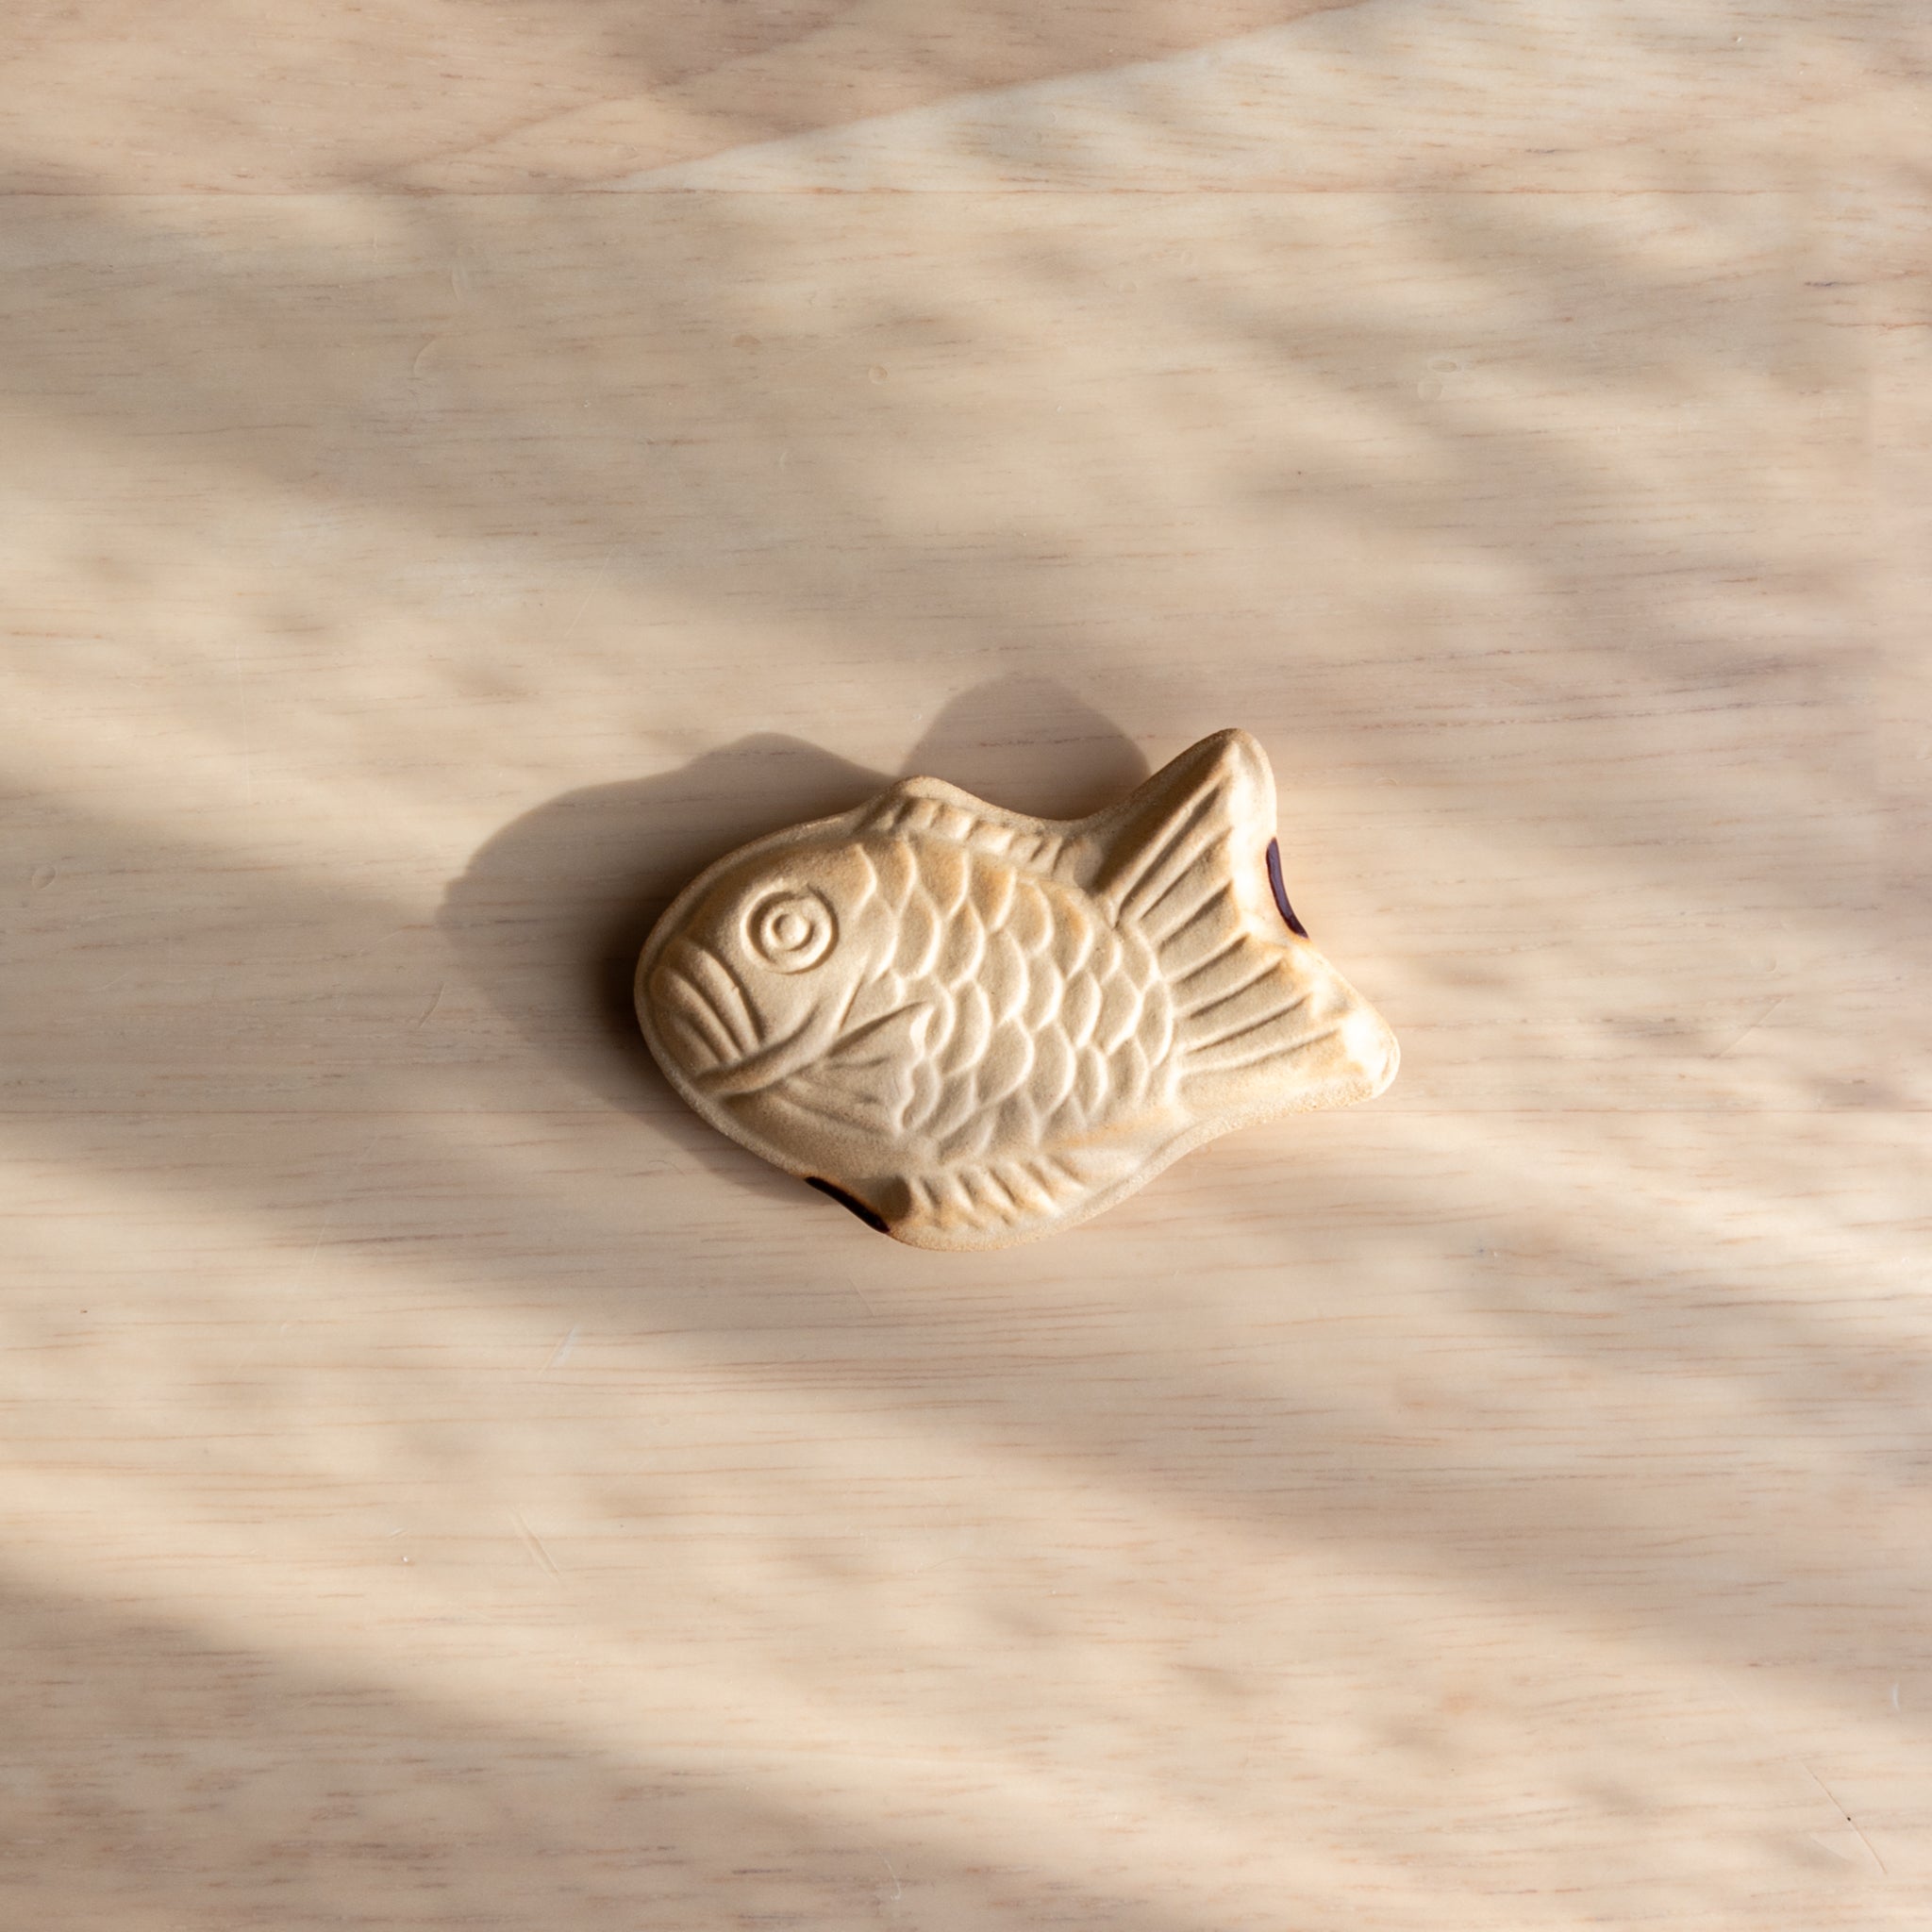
{"x":756,"y":974}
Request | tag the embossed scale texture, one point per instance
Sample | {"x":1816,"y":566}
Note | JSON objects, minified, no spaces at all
{"x":981,"y":1027}
{"x":1030,"y":1021}
{"x":1044,"y":1018}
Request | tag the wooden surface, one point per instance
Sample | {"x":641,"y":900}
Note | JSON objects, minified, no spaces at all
{"x":465,"y":467}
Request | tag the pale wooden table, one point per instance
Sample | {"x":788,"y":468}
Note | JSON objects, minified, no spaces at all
{"x":466,"y":466}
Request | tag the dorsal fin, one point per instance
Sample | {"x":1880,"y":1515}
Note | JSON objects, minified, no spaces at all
{"x":941,"y":810}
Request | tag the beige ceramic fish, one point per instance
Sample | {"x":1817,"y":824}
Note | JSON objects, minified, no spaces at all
{"x":976,"y":1029}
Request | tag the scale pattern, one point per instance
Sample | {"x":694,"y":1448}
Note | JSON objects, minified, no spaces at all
{"x":1031,"y":1021}
{"x":974,"y":1027}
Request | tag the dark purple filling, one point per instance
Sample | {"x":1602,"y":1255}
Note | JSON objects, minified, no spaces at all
{"x":846,"y":1200}
{"x":1294,"y":925}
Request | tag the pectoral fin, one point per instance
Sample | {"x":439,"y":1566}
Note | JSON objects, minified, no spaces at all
{"x":863,"y":1081}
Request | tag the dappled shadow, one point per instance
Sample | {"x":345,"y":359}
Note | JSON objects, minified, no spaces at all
{"x":534,"y":95}
{"x":1309,"y":1360}
{"x":1515,"y":527}
{"x":159,"y":1777}
{"x":460,"y":460}
{"x":549,"y":916}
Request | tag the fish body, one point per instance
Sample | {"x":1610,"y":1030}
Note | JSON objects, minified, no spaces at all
{"x":978,"y":1027}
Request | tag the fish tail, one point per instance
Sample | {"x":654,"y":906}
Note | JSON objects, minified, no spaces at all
{"x":1282,"y":1040}
{"x":1263,"y":1025}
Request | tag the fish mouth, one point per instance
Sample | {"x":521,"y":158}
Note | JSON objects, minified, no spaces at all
{"x":765,"y":1068}
{"x":729,"y":1050}
{"x":700,"y":991}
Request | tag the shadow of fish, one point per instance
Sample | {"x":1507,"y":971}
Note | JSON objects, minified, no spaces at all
{"x":975,"y":1028}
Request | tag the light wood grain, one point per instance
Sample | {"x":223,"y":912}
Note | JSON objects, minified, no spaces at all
{"x":465,"y":469}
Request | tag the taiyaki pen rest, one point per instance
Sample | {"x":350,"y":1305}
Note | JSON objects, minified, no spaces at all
{"x":974,"y":1029}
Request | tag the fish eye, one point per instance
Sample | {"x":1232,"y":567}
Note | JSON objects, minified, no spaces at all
{"x":791,"y":931}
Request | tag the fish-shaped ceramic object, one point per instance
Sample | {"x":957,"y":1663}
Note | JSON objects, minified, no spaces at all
{"x":975,"y":1028}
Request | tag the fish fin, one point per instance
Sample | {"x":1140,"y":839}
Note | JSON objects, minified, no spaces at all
{"x":933,"y":808}
{"x":998,"y":1204}
{"x":1184,"y":857}
{"x":994,"y":1203}
{"x":1263,"y":1025}
{"x":1286,"y":1034}
{"x":896,"y":1035}
{"x":862,"y":1081}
